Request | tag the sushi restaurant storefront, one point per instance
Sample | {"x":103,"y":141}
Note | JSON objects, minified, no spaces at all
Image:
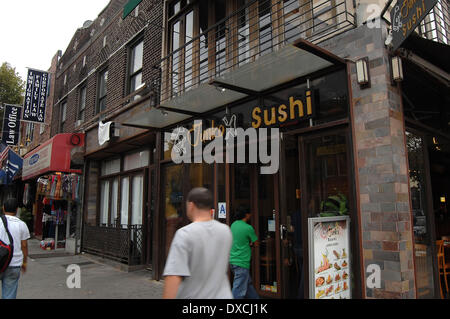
{"x":314,"y":177}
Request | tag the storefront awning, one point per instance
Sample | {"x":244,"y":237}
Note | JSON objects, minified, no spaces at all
{"x":291,"y":62}
{"x":10,"y":164}
{"x":52,"y":156}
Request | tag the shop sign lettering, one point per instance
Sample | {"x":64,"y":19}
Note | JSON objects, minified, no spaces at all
{"x":406,"y":15}
{"x":297,"y":108}
{"x":11,"y":124}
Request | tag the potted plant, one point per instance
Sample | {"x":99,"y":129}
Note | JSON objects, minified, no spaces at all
{"x":334,"y":205}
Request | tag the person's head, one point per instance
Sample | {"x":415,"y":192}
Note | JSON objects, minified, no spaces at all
{"x":199,"y":202}
{"x":242,"y":213}
{"x":10,"y":206}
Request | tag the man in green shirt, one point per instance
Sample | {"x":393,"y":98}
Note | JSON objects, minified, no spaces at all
{"x":243,"y":237}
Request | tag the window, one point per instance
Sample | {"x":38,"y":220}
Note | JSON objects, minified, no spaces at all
{"x":29,"y":133}
{"x":63,"y":116}
{"x":220,"y":9}
{"x":243,"y":32}
{"x":110,"y":167}
{"x":203,"y":24}
{"x":82,"y":105}
{"x":291,"y":20}
{"x":265,"y":27}
{"x":102,"y":91}
{"x":136,"y":160}
{"x":122,"y":198}
{"x":135,"y":67}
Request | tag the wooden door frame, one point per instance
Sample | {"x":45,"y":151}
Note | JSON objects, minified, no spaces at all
{"x":429,"y":205}
{"x":346,"y":132}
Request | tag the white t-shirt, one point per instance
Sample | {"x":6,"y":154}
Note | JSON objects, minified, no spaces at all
{"x":200,"y":254}
{"x":19,"y":231}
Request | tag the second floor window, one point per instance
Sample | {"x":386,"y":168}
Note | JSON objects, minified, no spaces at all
{"x":135,"y":67}
{"x":29,"y":133}
{"x":102,"y":84}
{"x":63,"y":116}
{"x":82,"y":105}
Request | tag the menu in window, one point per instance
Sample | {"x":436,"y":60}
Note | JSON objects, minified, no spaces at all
{"x":329,"y":258}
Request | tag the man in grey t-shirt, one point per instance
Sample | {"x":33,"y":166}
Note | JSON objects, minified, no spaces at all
{"x":197,"y":264}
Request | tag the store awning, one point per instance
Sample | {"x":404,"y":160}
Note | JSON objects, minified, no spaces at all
{"x":10,"y":164}
{"x":291,"y":62}
{"x":52,"y":156}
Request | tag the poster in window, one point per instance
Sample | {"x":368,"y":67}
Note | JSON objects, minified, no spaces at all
{"x":329,"y":251}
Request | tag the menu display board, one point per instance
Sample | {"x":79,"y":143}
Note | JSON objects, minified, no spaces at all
{"x":329,"y":258}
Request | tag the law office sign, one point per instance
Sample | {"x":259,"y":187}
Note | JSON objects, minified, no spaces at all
{"x":406,"y":15}
{"x":11,"y":124}
{"x":35,"y":96}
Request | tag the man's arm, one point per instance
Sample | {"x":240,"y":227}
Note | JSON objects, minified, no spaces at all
{"x":171,"y":284}
{"x":24,"y":246}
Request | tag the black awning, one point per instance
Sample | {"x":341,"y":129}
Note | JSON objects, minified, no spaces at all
{"x":434,"y":52}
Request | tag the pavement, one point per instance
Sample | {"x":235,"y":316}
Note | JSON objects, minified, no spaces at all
{"x":47,"y":276}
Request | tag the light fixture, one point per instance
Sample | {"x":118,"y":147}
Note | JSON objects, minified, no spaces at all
{"x":442,"y":199}
{"x":164,"y":113}
{"x":396,"y":69}
{"x":362,"y":72}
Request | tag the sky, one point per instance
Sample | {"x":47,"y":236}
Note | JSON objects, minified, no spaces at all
{"x":32,"y":31}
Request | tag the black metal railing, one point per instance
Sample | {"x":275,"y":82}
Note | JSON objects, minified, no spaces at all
{"x":436,"y":25}
{"x":123,"y":243}
{"x":249,"y":33}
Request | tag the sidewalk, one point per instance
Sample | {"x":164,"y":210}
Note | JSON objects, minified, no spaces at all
{"x":46,"y":278}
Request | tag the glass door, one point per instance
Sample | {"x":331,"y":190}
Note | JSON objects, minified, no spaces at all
{"x":266,"y":220}
{"x":420,"y":191}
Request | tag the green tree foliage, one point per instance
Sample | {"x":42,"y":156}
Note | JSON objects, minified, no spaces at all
{"x":11,"y":87}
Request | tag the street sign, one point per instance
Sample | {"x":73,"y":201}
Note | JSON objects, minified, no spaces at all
{"x":406,"y":15}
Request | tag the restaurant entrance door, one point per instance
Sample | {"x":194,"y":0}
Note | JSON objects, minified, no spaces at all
{"x":315,"y":181}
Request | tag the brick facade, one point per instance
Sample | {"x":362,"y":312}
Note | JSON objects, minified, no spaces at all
{"x":87,"y":45}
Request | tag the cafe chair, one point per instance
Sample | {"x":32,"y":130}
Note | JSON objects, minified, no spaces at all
{"x":444,"y":267}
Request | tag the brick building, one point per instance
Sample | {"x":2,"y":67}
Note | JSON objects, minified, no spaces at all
{"x":367,"y":144}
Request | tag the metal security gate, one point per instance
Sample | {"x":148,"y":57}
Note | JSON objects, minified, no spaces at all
{"x":123,"y":244}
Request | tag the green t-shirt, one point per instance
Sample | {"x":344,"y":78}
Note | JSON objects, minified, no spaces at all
{"x":243,"y":235}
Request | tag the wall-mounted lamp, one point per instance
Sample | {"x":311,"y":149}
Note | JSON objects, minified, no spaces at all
{"x":362,"y":72}
{"x":164,"y":113}
{"x":396,"y":69}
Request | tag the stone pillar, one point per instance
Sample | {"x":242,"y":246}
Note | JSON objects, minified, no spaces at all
{"x":381,"y":170}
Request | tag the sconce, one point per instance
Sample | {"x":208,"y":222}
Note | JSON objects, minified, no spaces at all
{"x":362,"y":72}
{"x":396,"y":69}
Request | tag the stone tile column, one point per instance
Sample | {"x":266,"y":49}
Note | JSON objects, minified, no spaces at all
{"x":381,"y":170}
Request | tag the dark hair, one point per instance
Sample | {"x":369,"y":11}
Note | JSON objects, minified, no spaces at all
{"x":201,"y":197}
{"x":241,"y":212}
{"x":10,"y":205}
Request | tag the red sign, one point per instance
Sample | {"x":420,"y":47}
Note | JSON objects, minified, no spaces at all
{"x":52,"y":156}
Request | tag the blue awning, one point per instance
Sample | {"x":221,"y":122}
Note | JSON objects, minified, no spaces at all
{"x":10,"y":164}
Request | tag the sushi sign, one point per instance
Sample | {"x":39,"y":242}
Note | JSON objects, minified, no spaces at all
{"x":329,"y":258}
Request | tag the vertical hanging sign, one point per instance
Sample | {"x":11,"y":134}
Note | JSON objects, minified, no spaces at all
{"x":11,"y":124}
{"x":35,"y":96}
